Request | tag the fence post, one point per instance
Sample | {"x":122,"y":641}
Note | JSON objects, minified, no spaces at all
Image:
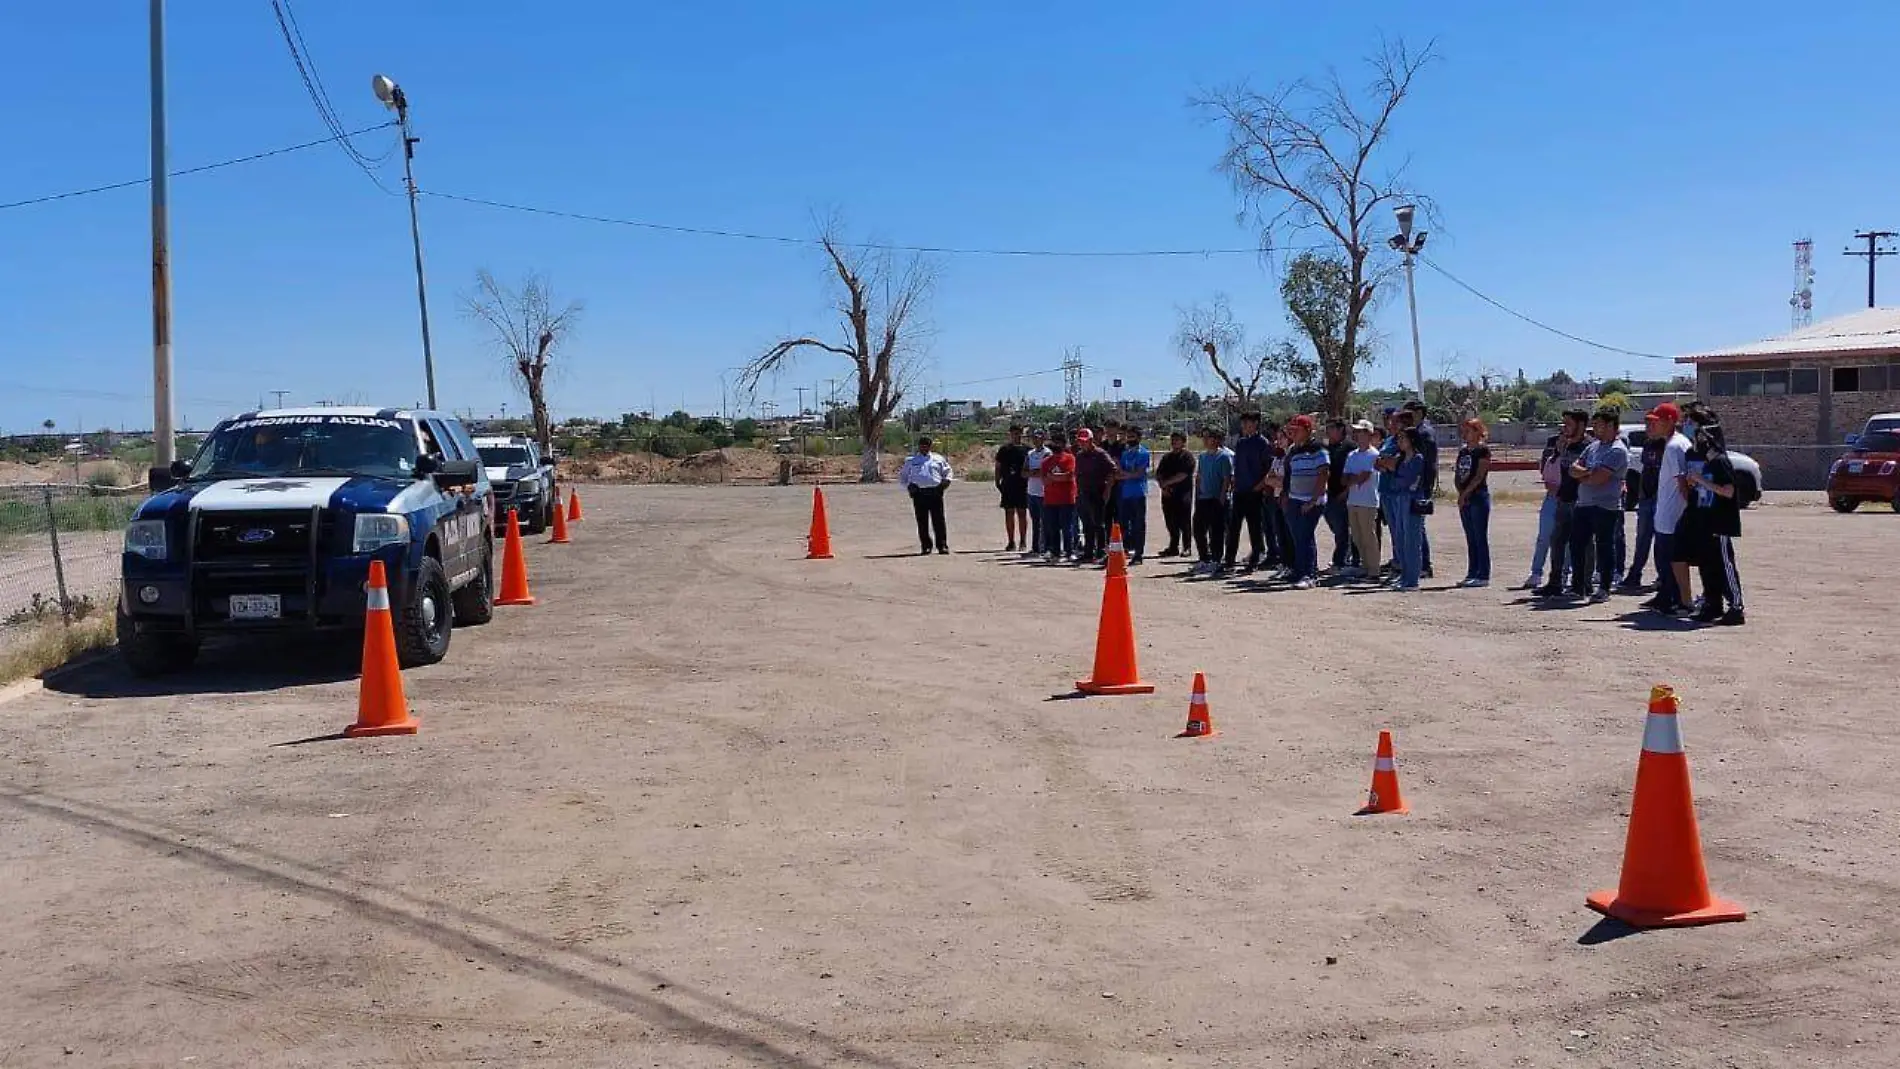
{"x":59,"y":567}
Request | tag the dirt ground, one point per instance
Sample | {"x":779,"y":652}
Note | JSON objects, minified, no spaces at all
{"x":709,"y":804}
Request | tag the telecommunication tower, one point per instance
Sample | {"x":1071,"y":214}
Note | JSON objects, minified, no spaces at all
{"x":1072,"y":378}
{"x":1801,"y":305}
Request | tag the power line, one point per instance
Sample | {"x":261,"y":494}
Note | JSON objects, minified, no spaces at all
{"x":1541,"y":325}
{"x":782,"y":239}
{"x":200,"y":169}
{"x":319,"y":95}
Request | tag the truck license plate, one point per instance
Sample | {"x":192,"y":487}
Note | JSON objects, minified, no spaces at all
{"x":1853,"y":467}
{"x":256,"y":606}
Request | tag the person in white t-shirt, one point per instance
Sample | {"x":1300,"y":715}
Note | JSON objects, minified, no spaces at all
{"x":1362,"y":498}
{"x":1033,"y":467}
{"x":1672,"y":586}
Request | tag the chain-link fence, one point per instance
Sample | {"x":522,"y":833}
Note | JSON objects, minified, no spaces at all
{"x":1792,"y":467}
{"x":59,"y":556}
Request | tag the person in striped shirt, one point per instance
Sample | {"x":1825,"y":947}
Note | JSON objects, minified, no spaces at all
{"x":1308,"y":467}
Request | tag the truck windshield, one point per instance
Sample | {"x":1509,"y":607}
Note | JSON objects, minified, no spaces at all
{"x":265,"y":446}
{"x":503,"y":456}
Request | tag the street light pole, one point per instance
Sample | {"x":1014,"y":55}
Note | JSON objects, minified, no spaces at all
{"x":393,"y":98}
{"x":164,"y":445}
{"x":1406,"y":243}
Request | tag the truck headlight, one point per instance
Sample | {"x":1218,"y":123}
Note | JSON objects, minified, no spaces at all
{"x":146,"y":538}
{"x":528,"y":487}
{"x":376,"y":530}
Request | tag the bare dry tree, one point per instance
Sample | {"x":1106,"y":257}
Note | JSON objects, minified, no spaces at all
{"x":881,"y":334}
{"x":1206,"y":334}
{"x":1306,"y":159}
{"x":526,"y":329}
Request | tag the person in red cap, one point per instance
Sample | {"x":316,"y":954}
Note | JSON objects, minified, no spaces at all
{"x":1672,"y":500}
{"x":1308,"y":466}
{"x":1094,"y":481}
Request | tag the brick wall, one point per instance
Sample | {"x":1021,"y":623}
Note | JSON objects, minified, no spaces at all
{"x":1795,"y":437}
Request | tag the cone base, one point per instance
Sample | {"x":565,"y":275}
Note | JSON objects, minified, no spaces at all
{"x":1197,"y":734}
{"x":406,"y":726}
{"x":1090,"y":687}
{"x":818,"y":556}
{"x":514,"y":601}
{"x":1368,"y":811}
{"x":559,"y":541}
{"x":1718,"y":911}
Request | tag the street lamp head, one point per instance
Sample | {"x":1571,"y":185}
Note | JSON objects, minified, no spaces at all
{"x":387,"y":91}
{"x":1405,"y":213}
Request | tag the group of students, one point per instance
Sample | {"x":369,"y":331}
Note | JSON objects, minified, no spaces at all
{"x":1059,"y":500}
{"x":1374,"y":490}
{"x":1687,"y":515}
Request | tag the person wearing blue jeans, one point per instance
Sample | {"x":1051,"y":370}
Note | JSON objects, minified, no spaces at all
{"x":1546,"y":526}
{"x":1599,"y":514}
{"x":1308,"y":474}
{"x":1038,"y":538}
{"x":1408,"y":478}
{"x":1131,"y":491}
{"x":1471,"y":475}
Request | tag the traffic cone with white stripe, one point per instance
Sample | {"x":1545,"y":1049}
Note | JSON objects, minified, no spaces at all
{"x":514,"y":567}
{"x":1664,"y":884}
{"x":1384,"y":797}
{"x":1116,"y":670}
{"x":381,"y":708}
{"x":1117,"y":556}
{"x":1200,"y":719}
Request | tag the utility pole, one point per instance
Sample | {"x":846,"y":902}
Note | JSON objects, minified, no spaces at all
{"x":801,"y":419}
{"x":393,"y":98}
{"x":164,"y":445}
{"x":280,"y":395}
{"x":1405,"y":242}
{"x":1873,"y":252}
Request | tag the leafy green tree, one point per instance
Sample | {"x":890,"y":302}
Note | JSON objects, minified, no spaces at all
{"x":682,"y":420}
{"x":1320,"y":300}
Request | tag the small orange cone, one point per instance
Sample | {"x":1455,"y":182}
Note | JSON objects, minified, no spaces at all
{"x":1384,"y":796}
{"x":820,"y":537}
{"x":573,"y":506}
{"x":560,"y":525}
{"x":381,"y":708}
{"x":1200,"y":720}
{"x":1663,"y":884}
{"x":514,"y":567}
{"x":1115,"y":669}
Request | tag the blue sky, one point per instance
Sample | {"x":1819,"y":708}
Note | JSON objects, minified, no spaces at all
{"x":1633,"y":173}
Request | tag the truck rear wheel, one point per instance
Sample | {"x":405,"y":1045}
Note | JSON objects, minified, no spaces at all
{"x":475,"y":603}
{"x":149,"y":654}
{"x":426,"y":617}
{"x":1849,"y":504}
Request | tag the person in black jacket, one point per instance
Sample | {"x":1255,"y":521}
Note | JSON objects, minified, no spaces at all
{"x":1428,"y":448}
{"x":1337,"y":450}
{"x":1712,"y":522}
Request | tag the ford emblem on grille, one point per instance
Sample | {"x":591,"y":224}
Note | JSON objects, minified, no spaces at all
{"x":256,"y":535}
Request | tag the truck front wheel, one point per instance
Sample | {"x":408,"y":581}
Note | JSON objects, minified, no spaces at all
{"x":148,"y":654}
{"x":426,"y":617}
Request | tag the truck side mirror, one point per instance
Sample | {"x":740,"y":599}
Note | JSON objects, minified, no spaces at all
{"x":457,"y":472}
{"x":163,"y":479}
{"x":427,"y":464}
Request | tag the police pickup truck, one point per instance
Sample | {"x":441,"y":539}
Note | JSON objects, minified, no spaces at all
{"x":522,"y":479}
{"x":272,"y":526}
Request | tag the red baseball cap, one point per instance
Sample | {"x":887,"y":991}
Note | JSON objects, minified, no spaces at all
{"x":1301,"y":421}
{"x":1667,"y":411}
{"x":1083,"y":434}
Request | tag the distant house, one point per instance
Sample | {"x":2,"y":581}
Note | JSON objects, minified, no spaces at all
{"x":1790,"y":401}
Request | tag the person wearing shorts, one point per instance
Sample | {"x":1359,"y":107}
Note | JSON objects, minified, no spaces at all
{"x":1012,"y":486}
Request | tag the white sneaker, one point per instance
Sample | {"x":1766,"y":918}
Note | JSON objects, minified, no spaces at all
{"x":1305,"y":584}
{"x":1475,"y":583}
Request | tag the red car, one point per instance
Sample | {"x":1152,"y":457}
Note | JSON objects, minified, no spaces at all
{"x":1871,"y":469}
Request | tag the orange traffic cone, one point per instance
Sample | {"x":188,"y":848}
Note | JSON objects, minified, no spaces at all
{"x":1384,"y":796}
{"x":514,"y":567}
{"x":1117,"y":556}
{"x":560,"y":525}
{"x":381,"y":708}
{"x":1200,"y":720}
{"x":820,"y":537}
{"x":573,"y":506}
{"x":1115,"y":669}
{"x":1663,"y":884}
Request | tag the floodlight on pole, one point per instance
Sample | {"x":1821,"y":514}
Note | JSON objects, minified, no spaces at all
{"x":1409,"y":244}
